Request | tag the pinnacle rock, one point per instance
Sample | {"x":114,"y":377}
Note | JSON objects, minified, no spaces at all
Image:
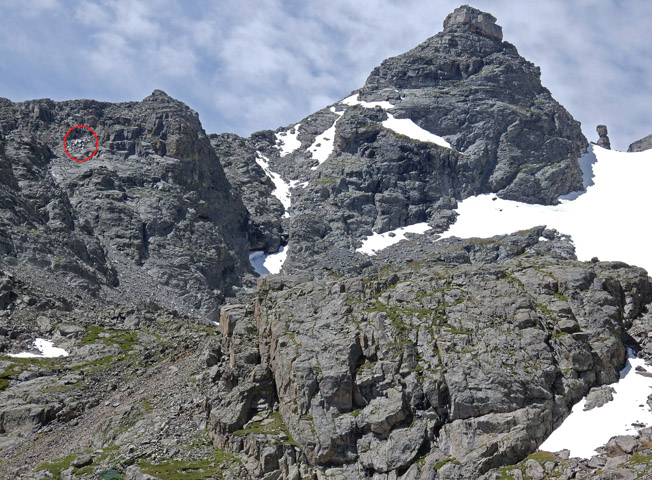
{"x":466,"y":17}
{"x":604,"y":137}
{"x":641,"y":145}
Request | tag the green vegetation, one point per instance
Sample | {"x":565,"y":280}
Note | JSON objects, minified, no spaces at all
{"x":445,"y":461}
{"x":641,"y":459}
{"x":125,"y":339}
{"x":111,"y":474}
{"x":20,"y":365}
{"x":542,"y":457}
{"x":326,"y":180}
{"x":57,"y":466}
{"x":275,"y":427}
{"x":189,"y":470}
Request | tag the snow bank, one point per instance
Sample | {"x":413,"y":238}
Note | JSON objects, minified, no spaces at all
{"x":47,"y":349}
{"x":281,"y":187}
{"x":379,"y":241}
{"x":585,"y":430}
{"x":608,"y":221}
{"x":405,"y":126}
{"x":323,"y":145}
{"x":288,"y":142}
{"x":264,"y":264}
{"x":353,"y":100}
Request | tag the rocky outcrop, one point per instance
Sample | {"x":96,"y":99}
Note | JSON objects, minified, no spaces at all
{"x":447,"y":359}
{"x":603,"y":141}
{"x":353,"y":174}
{"x":641,"y":145}
{"x":238,"y":157}
{"x":151,"y":217}
{"x":467,"y":85}
{"x":624,"y":457}
{"x":466,"y":367}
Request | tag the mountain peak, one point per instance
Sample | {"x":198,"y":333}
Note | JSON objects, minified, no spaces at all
{"x":475,"y":20}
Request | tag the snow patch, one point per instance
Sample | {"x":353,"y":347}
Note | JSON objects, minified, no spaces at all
{"x":281,"y":187}
{"x":353,"y":100}
{"x":288,"y":142}
{"x":265,"y":264}
{"x":323,"y":145}
{"x":585,"y":430}
{"x":605,"y":222}
{"x":379,"y":241}
{"x":405,"y":126}
{"x":47,"y":349}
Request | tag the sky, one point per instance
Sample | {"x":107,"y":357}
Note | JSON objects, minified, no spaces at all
{"x":248,"y":65}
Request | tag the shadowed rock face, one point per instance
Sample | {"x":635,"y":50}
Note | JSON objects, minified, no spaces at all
{"x":151,"y":216}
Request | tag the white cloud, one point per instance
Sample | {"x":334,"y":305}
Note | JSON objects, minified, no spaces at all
{"x":248,"y":65}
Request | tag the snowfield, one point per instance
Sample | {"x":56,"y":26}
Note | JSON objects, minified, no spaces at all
{"x":47,"y":349}
{"x":265,"y":264}
{"x":288,"y":142}
{"x":405,"y":126}
{"x":379,"y":241}
{"x":585,"y":430}
{"x":282,"y":188}
{"x":353,"y":100}
{"x":608,"y":221}
{"x":323,"y":145}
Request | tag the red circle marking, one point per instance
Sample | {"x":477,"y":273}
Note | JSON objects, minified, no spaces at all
{"x":97,"y":143}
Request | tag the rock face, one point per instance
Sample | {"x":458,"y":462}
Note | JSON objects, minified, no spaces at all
{"x":488,"y":102}
{"x":641,"y":145}
{"x":355,"y":173}
{"x":151,"y":217}
{"x":446,"y":359}
{"x":476,"y":364}
{"x":603,"y":141}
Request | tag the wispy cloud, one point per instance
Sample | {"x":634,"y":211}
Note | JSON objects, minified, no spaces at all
{"x":253,"y":64}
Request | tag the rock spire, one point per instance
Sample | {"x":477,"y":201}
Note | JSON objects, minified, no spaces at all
{"x":466,"y":17}
{"x":603,"y":141}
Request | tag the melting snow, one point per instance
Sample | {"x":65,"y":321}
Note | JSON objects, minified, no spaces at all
{"x":379,"y":241}
{"x":282,"y":188}
{"x":353,"y":100}
{"x":405,"y":126}
{"x":288,"y":142}
{"x":585,"y":430}
{"x":323,"y":144}
{"x":47,"y":349}
{"x":264,"y":264}
{"x":608,"y":221}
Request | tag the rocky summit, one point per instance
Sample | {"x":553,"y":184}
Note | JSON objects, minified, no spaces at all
{"x":138,"y":341}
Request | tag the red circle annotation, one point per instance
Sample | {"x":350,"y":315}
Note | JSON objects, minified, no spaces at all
{"x":97,"y":144}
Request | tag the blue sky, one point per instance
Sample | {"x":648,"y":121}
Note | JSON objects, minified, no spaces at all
{"x":248,"y":65}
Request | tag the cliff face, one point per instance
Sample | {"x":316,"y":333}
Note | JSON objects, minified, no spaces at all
{"x":372,"y":162}
{"x":431,"y":359}
{"x":150,"y":218}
